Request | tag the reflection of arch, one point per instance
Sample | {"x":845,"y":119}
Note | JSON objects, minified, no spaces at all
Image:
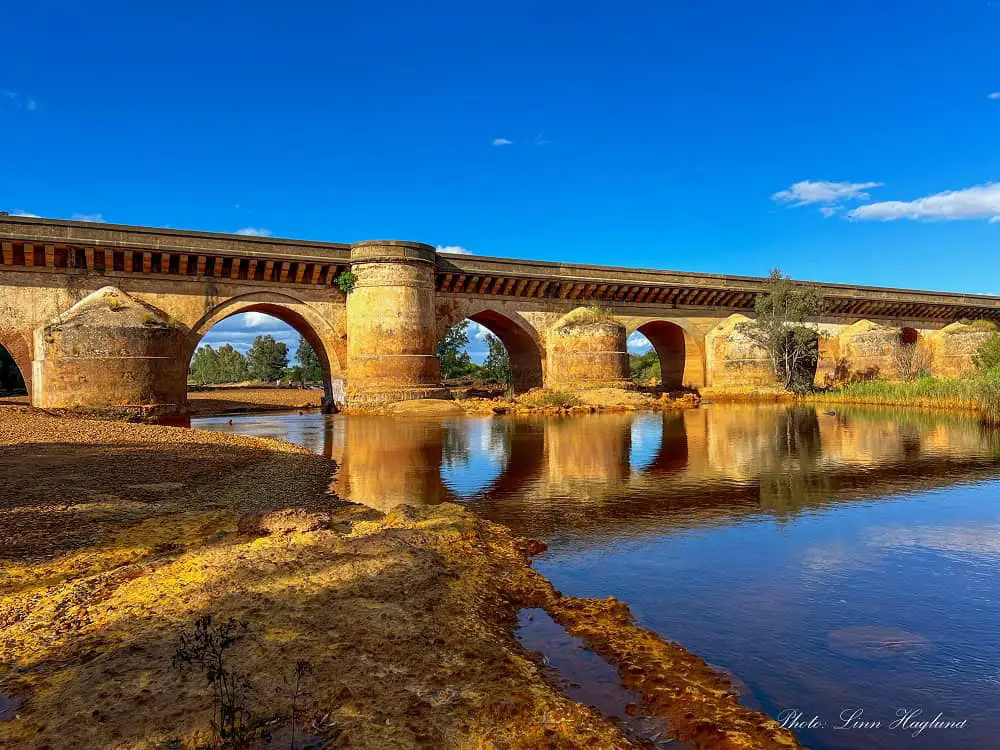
{"x":20,"y":352}
{"x":518,"y":337}
{"x":305,"y":320}
{"x":682,"y":361}
{"x":673,"y":454}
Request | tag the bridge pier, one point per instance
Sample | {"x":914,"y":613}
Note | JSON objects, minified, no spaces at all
{"x":587,"y":350}
{"x":391,"y":346}
{"x":111,"y":353}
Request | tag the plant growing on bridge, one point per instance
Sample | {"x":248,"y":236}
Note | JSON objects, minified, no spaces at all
{"x":781,"y":329}
{"x":345,"y":281}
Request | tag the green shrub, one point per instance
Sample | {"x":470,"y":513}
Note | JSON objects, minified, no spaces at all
{"x":987,"y":358}
{"x":346,"y":281}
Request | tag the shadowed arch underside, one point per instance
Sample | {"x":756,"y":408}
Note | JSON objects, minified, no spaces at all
{"x":18,"y":353}
{"x":525,"y":357}
{"x":681,"y":360}
{"x":298,"y":315}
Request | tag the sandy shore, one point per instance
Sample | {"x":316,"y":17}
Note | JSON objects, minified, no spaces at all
{"x":115,"y":538}
{"x":230,"y":400}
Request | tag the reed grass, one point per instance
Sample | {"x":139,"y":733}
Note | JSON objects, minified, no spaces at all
{"x":990,"y":403}
{"x":979,"y":393}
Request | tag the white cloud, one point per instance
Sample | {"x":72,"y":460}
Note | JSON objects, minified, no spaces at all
{"x":978,"y":202}
{"x":19,"y":101}
{"x":809,"y":192}
{"x":540,"y":140}
{"x":480,"y":332}
{"x":829,"y":211}
{"x":258,"y":320}
{"x":254,"y":232}
{"x":96,"y":218}
{"x":637,"y":343}
{"x":501,"y":142}
{"x":19,"y":212}
{"x":456,"y":249}
{"x":994,"y":95}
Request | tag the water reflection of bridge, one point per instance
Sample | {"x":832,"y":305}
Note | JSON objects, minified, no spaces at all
{"x":604,"y":472}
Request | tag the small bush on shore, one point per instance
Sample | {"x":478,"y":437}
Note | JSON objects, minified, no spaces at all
{"x":550,"y":398}
{"x":987,"y":359}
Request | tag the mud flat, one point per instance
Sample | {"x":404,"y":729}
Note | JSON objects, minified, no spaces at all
{"x":249,"y":399}
{"x":371,"y":630}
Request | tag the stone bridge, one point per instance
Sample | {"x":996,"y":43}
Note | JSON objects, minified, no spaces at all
{"x":107,"y":316}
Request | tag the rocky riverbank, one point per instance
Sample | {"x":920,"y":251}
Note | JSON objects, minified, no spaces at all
{"x":351,"y":627}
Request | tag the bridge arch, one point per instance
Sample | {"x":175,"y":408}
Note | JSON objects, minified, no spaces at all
{"x":305,"y":320}
{"x":519,"y":337}
{"x":680,"y":351}
{"x":18,"y":353}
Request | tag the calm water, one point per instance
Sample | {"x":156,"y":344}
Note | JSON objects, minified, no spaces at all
{"x":834,"y":562}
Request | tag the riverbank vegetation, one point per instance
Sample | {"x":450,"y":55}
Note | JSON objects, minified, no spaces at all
{"x":780,"y":328}
{"x":978,"y":390}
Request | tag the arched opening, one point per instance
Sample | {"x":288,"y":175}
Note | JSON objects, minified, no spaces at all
{"x":491,"y":350}
{"x":12,"y":381}
{"x":262,"y":342}
{"x":911,"y":357}
{"x":678,"y":353}
{"x":908,"y":336}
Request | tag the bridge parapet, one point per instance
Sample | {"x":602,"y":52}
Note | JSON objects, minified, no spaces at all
{"x":384,"y":332}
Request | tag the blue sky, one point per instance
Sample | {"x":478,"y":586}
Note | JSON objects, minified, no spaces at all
{"x":856,"y":141}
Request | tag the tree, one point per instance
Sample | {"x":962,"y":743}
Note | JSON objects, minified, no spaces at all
{"x":645,"y":367}
{"x":222,"y":365}
{"x":312,"y":370}
{"x":496,"y":367}
{"x":455,"y":360}
{"x":267,"y":358}
{"x":232,"y":365}
{"x":781,"y":329}
{"x":204,"y":367}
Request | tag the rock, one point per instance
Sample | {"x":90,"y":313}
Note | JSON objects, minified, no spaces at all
{"x":284,"y":521}
{"x":425,"y":407}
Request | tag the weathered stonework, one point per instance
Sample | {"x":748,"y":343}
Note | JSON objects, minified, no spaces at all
{"x":110,"y":352}
{"x":866,"y":350}
{"x":954,"y":347}
{"x":391,"y":352}
{"x":733,"y":359}
{"x":382,"y":336}
{"x":587,"y":350}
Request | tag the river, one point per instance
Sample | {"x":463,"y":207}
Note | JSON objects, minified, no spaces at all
{"x":840,"y":562}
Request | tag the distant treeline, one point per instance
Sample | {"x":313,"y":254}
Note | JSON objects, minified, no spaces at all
{"x":266,"y":360}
